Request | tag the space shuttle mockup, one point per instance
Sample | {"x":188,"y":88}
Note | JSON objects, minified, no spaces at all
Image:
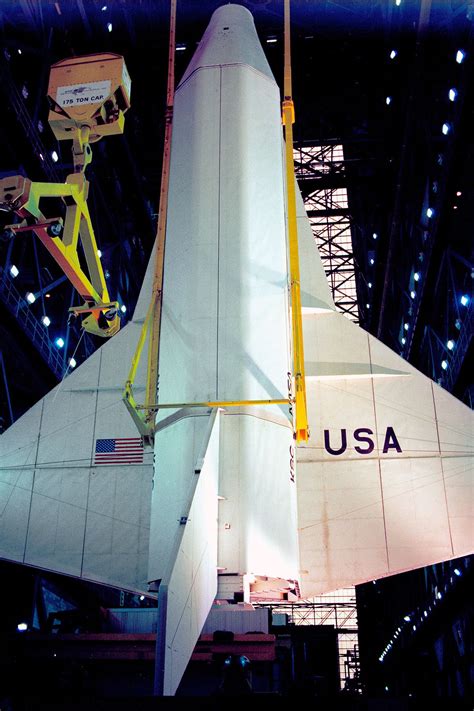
{"x":384,"y":484}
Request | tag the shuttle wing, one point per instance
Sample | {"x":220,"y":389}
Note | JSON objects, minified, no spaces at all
{"x":385,"y":481}
{"x":75,"y":483}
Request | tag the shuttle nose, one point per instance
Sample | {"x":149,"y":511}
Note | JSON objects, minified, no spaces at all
{"x":231,"y":38}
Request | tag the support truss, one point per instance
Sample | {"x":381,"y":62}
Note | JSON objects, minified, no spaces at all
{"x":320,"y":171}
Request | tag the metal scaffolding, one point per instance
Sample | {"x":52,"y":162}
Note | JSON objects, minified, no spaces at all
{"x":337,"y":609}
{"x":320,"y":171}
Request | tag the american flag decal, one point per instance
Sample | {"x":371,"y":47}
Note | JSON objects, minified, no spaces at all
{"x":128,"y":450}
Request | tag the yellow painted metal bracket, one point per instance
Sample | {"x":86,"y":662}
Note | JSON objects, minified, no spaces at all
{"x":288,"y":118}
{"x":61,"y":239}
{"x":144,"y":419}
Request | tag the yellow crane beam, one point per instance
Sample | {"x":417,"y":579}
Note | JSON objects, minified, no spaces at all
{"x":152,"y":324}
{"x":288,"y":117}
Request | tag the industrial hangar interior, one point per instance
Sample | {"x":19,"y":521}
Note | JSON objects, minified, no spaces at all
{"x":383,"y":150}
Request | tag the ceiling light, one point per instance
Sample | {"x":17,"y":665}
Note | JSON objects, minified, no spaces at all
{"x":142,"y":597}
{"x":180,"y":47}
{"x":374,"y":235}
{"x":30,"y":297}
{"x":439,"y":596}
{"x":407,"y":618}
{"x":372,"y":261}
{"x":54,"y":156}
{"x":14,"y":271}
{"x":367,"y":306}
{"x":450,"y":344}
{"x":452,"y":94}
{"x":46,"y":321}
{"x":19,"y":51}
{"x":445,"y":129}
{"x":369,"y":284}
{"x":271,"y":40}
{"x":109,"y":26}
{"x":103,"y":8}
{"x":404,"y":340}
{"x":412,"y":294}
{"x":99,"y":253}
{"x":460,"y":56}
{"x":59,"y":342}
{"x":123,"y":309}
{"x":388,"y":100}
{"x":398,"y":2}
{"x":457,"y":572}
{"x":406,"y":326}
{"x":416,"y":276}
{"x":458,"y":193}
{"x":444,"y":364}
{"x":393,"y":54}
{"x":22,"y":627}
{"x":464,"y":299}
{"x":429,"y":212}
{"x":72,"y":362}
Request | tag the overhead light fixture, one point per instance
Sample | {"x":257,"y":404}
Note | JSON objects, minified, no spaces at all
{"x":450,"y":345}
{"x":30,"y":297}
{"x":46,"y":321}
{"x":59,"y":342}
{"x":72,"y":362}
{"x":388,"y":100}
{"x":429,"y":212}
{"x":123,"y":309}
{"x":412,"y":294}
{"x":452,"y":94}
{"x":271,"y":40}
{"x":22,"y":627}
{"x":142,"y":597}
{"x":458,"y":193}
{"x":460,"y":56}
{"x":398,"y":2}
{"x":109,"y":27}
{"x":369,"y":284}
{"x":374,"y":235}
{"x":439,"y":595}
{"x":19,"y":51}
{"x":406,"y":326}
{"x":416,"y":276}
{"x":367,"y":306}
{"x":444,"y":364}
{"x":407,"y":618}
{"x":465,"y":299}
{"x":103,"y":8}
{"x":180,"y":47}
{"x":371,"y":261}
{"x":445,"y":128}
{"x":393,"y":54}
{"x":404,"y":340}
{"x":14,"y":271}
{"x":457,"y":572}
{"x":54,"y":156}
{"x":99,"y":253}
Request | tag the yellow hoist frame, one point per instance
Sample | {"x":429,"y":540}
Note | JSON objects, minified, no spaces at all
{"x":144,"y":415}
{"x":288,"y":118}
{"x":88,"y":98}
